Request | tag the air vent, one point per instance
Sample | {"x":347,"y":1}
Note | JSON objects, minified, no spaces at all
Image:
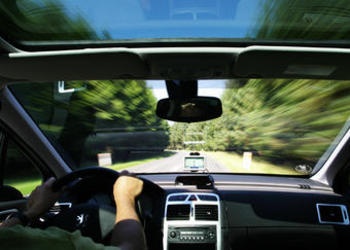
{"x":332,"y":214}
{"x":304,"y":186}
{"x":204,"y":197}
{"x":206,"y":212}
{"x":178,"y":212}
{"x":178,"y":197}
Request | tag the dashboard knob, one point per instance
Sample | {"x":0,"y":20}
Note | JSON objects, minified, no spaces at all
{"x":172,"y":234}
{"x":211,"y":235}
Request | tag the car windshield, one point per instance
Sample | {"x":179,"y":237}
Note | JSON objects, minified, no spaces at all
{"x":97,"y":23}
{"x":268,"y":126}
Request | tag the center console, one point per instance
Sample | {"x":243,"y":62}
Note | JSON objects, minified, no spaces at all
{"x":192,"y":221}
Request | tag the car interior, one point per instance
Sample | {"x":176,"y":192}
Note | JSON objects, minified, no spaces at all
{"x":76,"y":103}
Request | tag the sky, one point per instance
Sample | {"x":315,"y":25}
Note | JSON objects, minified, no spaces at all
{"x":213,"y":88}
{"x":107,"y":15}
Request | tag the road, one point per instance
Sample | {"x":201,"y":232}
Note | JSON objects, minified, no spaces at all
{"x":175,"y":163}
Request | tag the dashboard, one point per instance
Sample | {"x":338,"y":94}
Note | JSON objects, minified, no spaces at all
{"x":202,"y":211}
{"x":215,"y":212}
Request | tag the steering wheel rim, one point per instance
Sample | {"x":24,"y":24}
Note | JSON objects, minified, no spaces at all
{"x":150,"y":192}
{"x":83,"y":173}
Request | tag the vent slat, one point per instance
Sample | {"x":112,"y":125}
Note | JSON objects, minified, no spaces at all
{"x":178,"y":212}
{"x":206,"y":212}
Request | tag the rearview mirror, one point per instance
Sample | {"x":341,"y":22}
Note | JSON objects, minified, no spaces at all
{"x":194,"y":109}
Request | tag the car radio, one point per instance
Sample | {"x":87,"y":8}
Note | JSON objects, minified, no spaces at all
{"x":192,"y":221}
{"x":192,"y":234}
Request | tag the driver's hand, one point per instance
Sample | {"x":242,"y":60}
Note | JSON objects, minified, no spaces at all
{"x":41,"y":199}
{"x":127,"y":188}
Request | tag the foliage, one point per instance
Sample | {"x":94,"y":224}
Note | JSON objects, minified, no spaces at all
{"x":306,"y":22}
{"x":56,"y":22}
{"x":112,"y":111}
{"x":293,"y":120}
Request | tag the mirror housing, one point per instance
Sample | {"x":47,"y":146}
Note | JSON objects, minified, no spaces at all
{"x":193,"y":109}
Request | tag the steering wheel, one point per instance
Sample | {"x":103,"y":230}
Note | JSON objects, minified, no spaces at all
{"x":110,"y":174}
{"x":96,"y":218}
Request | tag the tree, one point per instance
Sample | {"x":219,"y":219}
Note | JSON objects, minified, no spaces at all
{"x":283,"y":118}
{"x":306,"y":22}
{"x":111,"y":106}
{"x":23,"y":22}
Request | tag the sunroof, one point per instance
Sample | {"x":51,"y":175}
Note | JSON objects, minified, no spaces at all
{"x":40,"y":22}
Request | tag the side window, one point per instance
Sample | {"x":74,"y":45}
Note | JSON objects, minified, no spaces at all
{"x":19,"y":172}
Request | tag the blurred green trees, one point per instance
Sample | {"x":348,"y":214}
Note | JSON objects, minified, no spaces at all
{"x":110,"y":107}
{"x":292,"y":120}
{"x":105,"y":115}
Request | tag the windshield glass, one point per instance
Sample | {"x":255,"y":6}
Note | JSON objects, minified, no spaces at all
{"x":268,"y":126}
{"x":38,"y":22}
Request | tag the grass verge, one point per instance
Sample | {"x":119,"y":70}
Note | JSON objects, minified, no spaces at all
{"x":234,"y":162}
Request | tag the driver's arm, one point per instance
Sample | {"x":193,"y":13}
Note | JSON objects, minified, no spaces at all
{"x":39,"y":202}
{"x":128,"y":232}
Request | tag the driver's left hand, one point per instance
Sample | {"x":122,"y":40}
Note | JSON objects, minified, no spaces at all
{"x":41,"y":199}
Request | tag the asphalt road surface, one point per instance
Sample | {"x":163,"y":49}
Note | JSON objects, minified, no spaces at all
{"x":175,"y":163}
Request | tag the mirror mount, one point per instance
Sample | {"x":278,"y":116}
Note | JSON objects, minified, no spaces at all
{"x":182,"y":89}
